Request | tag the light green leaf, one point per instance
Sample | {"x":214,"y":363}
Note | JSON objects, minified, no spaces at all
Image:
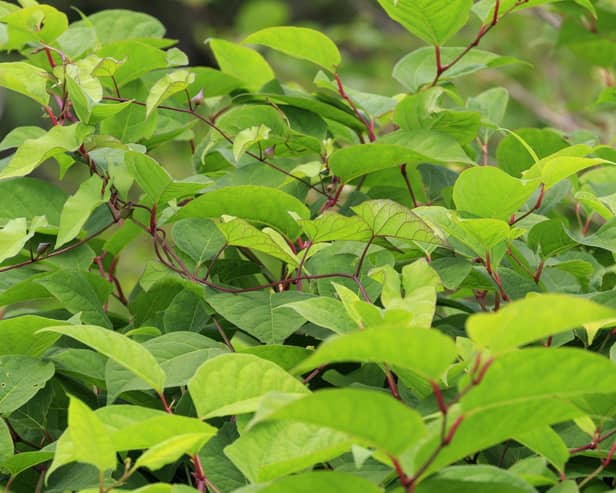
{"x":546,"y":442}
{"x":387,"y":218}
{"x":331,"y":226}
{"x":477,"y":478}
{"x":321,"y":481}
{"x":135,"y":427}
{"x":118,"y":347}
{"x":239,"y":233}
{"x":274,"y":449}
{"x":260,"y":204}
{"x":172,"y":449}
{"x":30,"y":197}
{"x":604,"y":237}
{"x":19,"y":336}
{"x":419,"y":67}
{"x":433,"y":21}
{"x":527,"y":320}
{"x":148,"y":173}
{"x":15,"y":234}
{"x":166,"y":87}
{"x":356,"y":160}
{"x":79,"y":207}
{"x":91,"y":441}
{"x":6,"y":443}
{"x":33,"y":24}
{"x":198,"y":238}
{"x":26,"y":79}
{"x":33,"y":152}
{"x":247,"y":138}
{"x":299,"y":42}
{"x":25,"y":460}
{"x":235,"y":383}
{"x":522,"y":390}
{"x":242,"y":63}
{"x":372,"y":417}
{"x":79,"y":292}
{"x":260,"y":313}
{"x":490,"y":192}
{"x":21,"y":377}
{"x":425,"y":351}
{"x":325,"y":312}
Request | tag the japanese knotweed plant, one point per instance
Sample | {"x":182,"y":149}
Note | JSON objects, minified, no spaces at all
{"x":348,"y":292}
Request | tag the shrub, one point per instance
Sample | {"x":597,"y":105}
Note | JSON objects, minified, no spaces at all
{"x":351,"y":291}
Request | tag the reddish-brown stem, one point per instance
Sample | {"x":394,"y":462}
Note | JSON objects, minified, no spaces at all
{"x":483,"y":30}
{"x":535,"y":207}
{"x":408,"y":184}
{"x":537,"y":276}
{"x":116,"y":87}
{"x":312,"y":374}
{"x":368,"y":122}
{"x":597,"y":439}
{"x":362,"y":257}
{"x":50,"y":59}
{"x":391,"y":383}
{"x":223,"y":334}
{"x":52,"y":117}
{"x":439,"y":397}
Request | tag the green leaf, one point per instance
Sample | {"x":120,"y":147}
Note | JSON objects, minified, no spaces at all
{"x":235,"y":383}
{"x":260,"y":314}
{"x":119,"y":24}
{"x":199,"y":238}
{"x":321,"y":481}
{"x":325,"y":312}
{"x":239,"y":233}
{"x":262,"y":205}
{"x":418,"y":68}
{"x":148,"y":173}
{"x":33,"y":152}
{"x":604,"y":237}
{"x":6,"y":443}
{"x":79,"y":292}
{"x":274,"y":449}
{"x":23,"y":461}
{"x":299,"y":42}
{"x":552,"y":169}
{"x":242,"y":63}
{"x":248,"y":137}
{"x":30,"y":197}
{"x":179,"y":355}
{"x":477,"y":478}
{"x":514,"y":158}
{"x":118,"y":347}
{"x":15,"y":234}
{"x":172,"y":449}
{"x":140,"y":58}
{"x":91,"y":441}
{"x":433,"y":21}
{"x":490,"y":192}
{"x":512,"y":394}
{"x":372,"y":417}
{"x":387,"y":218}
{"x":21,"y":377}
{"x":356,"y":160}
{"x":331,"y":226}
{"x":546,"y":442}
{"x":425,"y":351}
{"x":79,"y":207}
{"x":166,"y":87}
{"x":548,"y":238}
{"x":19,"y":336}
{"x":33,"y":24}
{"x":527,"y":320}
{"x":26,"y":79}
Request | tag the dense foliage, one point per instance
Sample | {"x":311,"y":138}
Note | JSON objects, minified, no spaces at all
{"x":348,"y":292}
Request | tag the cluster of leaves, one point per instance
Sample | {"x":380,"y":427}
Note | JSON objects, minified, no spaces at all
{"x":352,"y":292}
